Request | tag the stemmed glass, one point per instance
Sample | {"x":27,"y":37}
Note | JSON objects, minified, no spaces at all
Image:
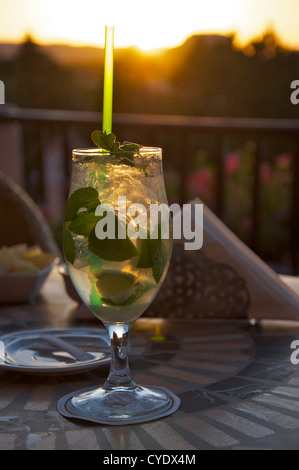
{"x":117,"y":257}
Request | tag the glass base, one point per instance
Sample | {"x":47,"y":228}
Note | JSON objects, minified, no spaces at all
{"x":121,"y":406}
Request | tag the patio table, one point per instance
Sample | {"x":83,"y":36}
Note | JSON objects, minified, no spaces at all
{"x":237,"y":384}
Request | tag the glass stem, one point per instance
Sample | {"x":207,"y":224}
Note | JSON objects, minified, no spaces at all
{"x":119,"y":375}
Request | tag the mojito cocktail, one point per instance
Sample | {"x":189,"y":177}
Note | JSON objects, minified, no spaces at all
{"x":117,"y":256}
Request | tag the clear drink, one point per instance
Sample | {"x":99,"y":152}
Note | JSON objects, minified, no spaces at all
{"x":119,"y":290}
{"x":117,"y":276}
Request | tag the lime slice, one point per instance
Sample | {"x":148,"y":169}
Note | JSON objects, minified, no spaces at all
{"x":117,"y":287}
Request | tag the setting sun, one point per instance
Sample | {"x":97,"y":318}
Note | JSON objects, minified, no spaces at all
{"x":148,"y":26}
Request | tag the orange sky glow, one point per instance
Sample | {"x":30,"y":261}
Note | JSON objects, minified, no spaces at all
{"x":147,"y":25}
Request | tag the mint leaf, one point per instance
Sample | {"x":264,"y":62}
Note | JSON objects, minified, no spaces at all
{"x":153,"y":254}
{"x":159,"y":257}
{"x":69,"y":247}
{"x":111,"y":250}
{"x":83,"y":198}
{"x":104,"y":140}
{"x":130,"y":147}
{"x":145,"y":259}
{"x":125,"y":150}
{"x":127,"y":161}
{"x":84,"y":223}
{"x":108,"y":142}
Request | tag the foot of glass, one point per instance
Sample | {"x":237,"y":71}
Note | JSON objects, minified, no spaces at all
{"x":124,"y":406}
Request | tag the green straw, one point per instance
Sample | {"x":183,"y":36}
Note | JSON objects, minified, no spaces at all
{"x":96,"y":263}
{"x":108,"y":79}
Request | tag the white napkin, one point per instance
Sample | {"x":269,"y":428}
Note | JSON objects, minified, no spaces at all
{"x":269,"y":296}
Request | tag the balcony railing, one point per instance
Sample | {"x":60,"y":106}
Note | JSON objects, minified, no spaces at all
{"x":159,"y":130}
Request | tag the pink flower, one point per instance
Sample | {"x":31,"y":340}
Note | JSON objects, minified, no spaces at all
{"x":284,"y":160}
{"x":232,"y":163}
{"x":201,"y":182}
{"x":265,"y":173}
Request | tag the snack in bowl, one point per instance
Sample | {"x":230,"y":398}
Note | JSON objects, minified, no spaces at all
{"x":23,"y":271}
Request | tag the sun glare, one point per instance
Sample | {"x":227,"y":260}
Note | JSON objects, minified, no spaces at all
{"x":147,"y":25}
{"x":151,"y":25}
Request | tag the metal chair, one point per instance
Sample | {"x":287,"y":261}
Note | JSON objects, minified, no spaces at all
{"x":21,"y":221}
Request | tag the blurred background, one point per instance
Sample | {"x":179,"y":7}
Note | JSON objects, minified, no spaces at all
{"x":209,"y":82}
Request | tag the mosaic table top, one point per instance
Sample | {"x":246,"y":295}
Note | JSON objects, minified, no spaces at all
{"x":237,"y":385}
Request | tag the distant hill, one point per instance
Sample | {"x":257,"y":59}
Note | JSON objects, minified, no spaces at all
{"x":74,"y":55}
{"x":8,"y":51}
{"x":88,"y":55}
{"x":64,"y":54}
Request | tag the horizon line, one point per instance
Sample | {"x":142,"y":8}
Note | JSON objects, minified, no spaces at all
{"x":232,"y":34}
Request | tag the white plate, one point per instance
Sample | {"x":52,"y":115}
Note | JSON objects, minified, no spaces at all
{"x":33,"y":353}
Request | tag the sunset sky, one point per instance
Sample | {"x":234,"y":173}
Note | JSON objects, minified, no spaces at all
{"x":147,"y":25}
